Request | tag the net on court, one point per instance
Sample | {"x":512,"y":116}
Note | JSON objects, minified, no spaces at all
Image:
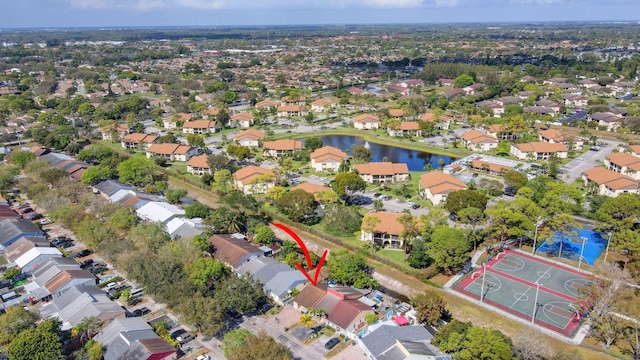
{"x":529,"y":287}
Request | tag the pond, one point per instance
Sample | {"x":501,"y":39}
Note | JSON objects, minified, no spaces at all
{"x":415,"y":160}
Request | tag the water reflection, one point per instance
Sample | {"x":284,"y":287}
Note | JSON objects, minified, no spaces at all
{"x":415,"y":160}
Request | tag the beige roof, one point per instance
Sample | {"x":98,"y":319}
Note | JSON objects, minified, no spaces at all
{"x":266,"y":103}
{"x":478,"y":137}
{"x":635,"y":148}
{"x":312,"y":188}
{"x":388,"y":222}
{"x":479,"y":164}
{"x":541,"y":147}
{"x":252,"y":134}
{"x":382,"y":168}
{"x":396,"y":112}
{"x":283,"y":145}
{"x":322,"y":102}
{"x":624,"y":159}
{"x":136,"y":138}
{"x":428,"y":117}
{"x":328,"y":153}
{"x":199,"y":161}
{"x":611,"y":179}
{"x":556,"y":135}
{"x":242,"y":116}
{"x":199,"y":124}
{"x":409,"y":126}
{"x":167,"y":149}
{"x":366,"y":118}
{"x":248,"y":174}
{"x":212,"y":111}
{"x":495,"y":128}
{"x":289,"y":108}
{"x":440,"y":183}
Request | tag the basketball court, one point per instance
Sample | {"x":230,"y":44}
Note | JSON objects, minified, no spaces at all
{"x":527,"y":287}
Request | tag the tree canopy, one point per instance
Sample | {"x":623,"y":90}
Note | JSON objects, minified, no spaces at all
{"x":349,"y":269}
{"x":462,"y":199}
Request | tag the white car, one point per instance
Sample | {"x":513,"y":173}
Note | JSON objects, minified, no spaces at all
{"x":410,"y":204}
{"x":203,"y":357}
{"x":45,"y":222}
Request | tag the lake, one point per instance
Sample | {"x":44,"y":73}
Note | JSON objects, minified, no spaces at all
{"x":415,"y":160}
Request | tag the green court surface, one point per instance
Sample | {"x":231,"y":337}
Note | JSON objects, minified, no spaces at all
{"x":528,"y":287}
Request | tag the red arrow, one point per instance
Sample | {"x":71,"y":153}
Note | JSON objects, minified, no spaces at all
{"x":295,"y":237}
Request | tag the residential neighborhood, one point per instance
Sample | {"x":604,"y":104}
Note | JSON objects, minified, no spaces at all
{"x":316,"y":193}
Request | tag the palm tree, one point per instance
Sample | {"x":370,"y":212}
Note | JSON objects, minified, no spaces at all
{"x":378,"y":205}
{"x":306,"y":320}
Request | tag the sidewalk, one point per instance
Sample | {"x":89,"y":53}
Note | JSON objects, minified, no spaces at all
{"x":474,"y":261}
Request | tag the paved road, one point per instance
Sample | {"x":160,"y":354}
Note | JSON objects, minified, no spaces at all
{"x":573,"y":169}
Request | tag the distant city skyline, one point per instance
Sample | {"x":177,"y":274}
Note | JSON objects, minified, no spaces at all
{"x":132,"y":13}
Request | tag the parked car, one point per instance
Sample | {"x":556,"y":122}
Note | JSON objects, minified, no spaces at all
{"x":45,"y":222}
{"x":595,"y":148}
{"x":23,"y":206}
{"x":410,"y":204}
{"x":86,"y":263}
{"x":203,"y":357}
{"x":58,"y":241}
{"x":415,"y":206}
{"x":26,"y":211}
{"x":178,"y":332}
{"x":386,"y":197}
{"x":66,"y":244}
{"x":34,"y":216}
{"x":81,"y":253}
{"x":510,"y":191}
{"x":331,"y":343}
{"x":140,"y":312}
{"x":185,"y":338}
{"x":377,"y":195}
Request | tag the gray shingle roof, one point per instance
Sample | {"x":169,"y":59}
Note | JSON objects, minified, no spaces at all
{"x":118,"y":336}
{"x":109,"y":187}
{"x":53,"y":267}
{"x":385,"y":336}
{"x":12,"y":229}
{"x":275,"y":276}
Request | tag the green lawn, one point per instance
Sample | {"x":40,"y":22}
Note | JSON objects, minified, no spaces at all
{"x":395,"y":255}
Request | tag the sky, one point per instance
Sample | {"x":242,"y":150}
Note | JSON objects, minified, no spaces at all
{"x":129,"y":13}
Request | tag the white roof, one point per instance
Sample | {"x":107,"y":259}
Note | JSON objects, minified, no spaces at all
{"x":33,"y":254}
{"x":159,"y":211}
{"x":175,"y":223}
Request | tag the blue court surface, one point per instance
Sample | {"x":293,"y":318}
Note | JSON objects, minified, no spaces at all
{"x":594,"y":245}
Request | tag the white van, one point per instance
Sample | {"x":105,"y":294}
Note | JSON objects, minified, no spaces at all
{"x":137,"y":291}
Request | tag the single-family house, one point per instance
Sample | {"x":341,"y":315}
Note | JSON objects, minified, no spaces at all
{"x":607,"y":120}
{"x":249,"y":137}
{"x":610,"y":183}
{"x":243,"y":120}
{"x":390,"y":341}
{"x":159,"y":212}
{"x":107,"y":188}
{"x":68,"y":278}
{"x":198,"y":165}
{"x":35,"y":257}
{"x":472,"y":89}
{"x":291,"y":110}
{"x":344,"y":310}
{"x":397,"y":114}
{"x":233,"y":249}
{"x":357,"y":91}
{"x":539,"y":110}
{"x":382,"y":172}
{"x":254,"y":180}
{"x":436,"y":185}
{"x":13,"y":229}
{"x":408,"y":128}
{"x":22,"y":245}
{"x":172,"y":152}
{"x":366,"y":122}
{"x":387,"y":231}
{"x":445,"y":82}
{"x":278,"y":279}
{"x":549,"y":104}
{"x":478,"y":141}
{"x":81,"y":302}
{"x":138,"y":141}
{"x":44,"y":273}
{"x":133,"y":338}
{"x":508,"y":100}
{"x":279,"y":148}
{"x":538,"y":150}
{"x":575,"y":100}
{"x":184,"y":228}
{"x":200,"y":127}
{"x":623,"y":163}
{"x":327,"y":158}
{"x":634,"y":150}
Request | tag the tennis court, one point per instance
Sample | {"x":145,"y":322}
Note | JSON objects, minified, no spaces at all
{"x":526,"y":286}
{"x":587,"y":244}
